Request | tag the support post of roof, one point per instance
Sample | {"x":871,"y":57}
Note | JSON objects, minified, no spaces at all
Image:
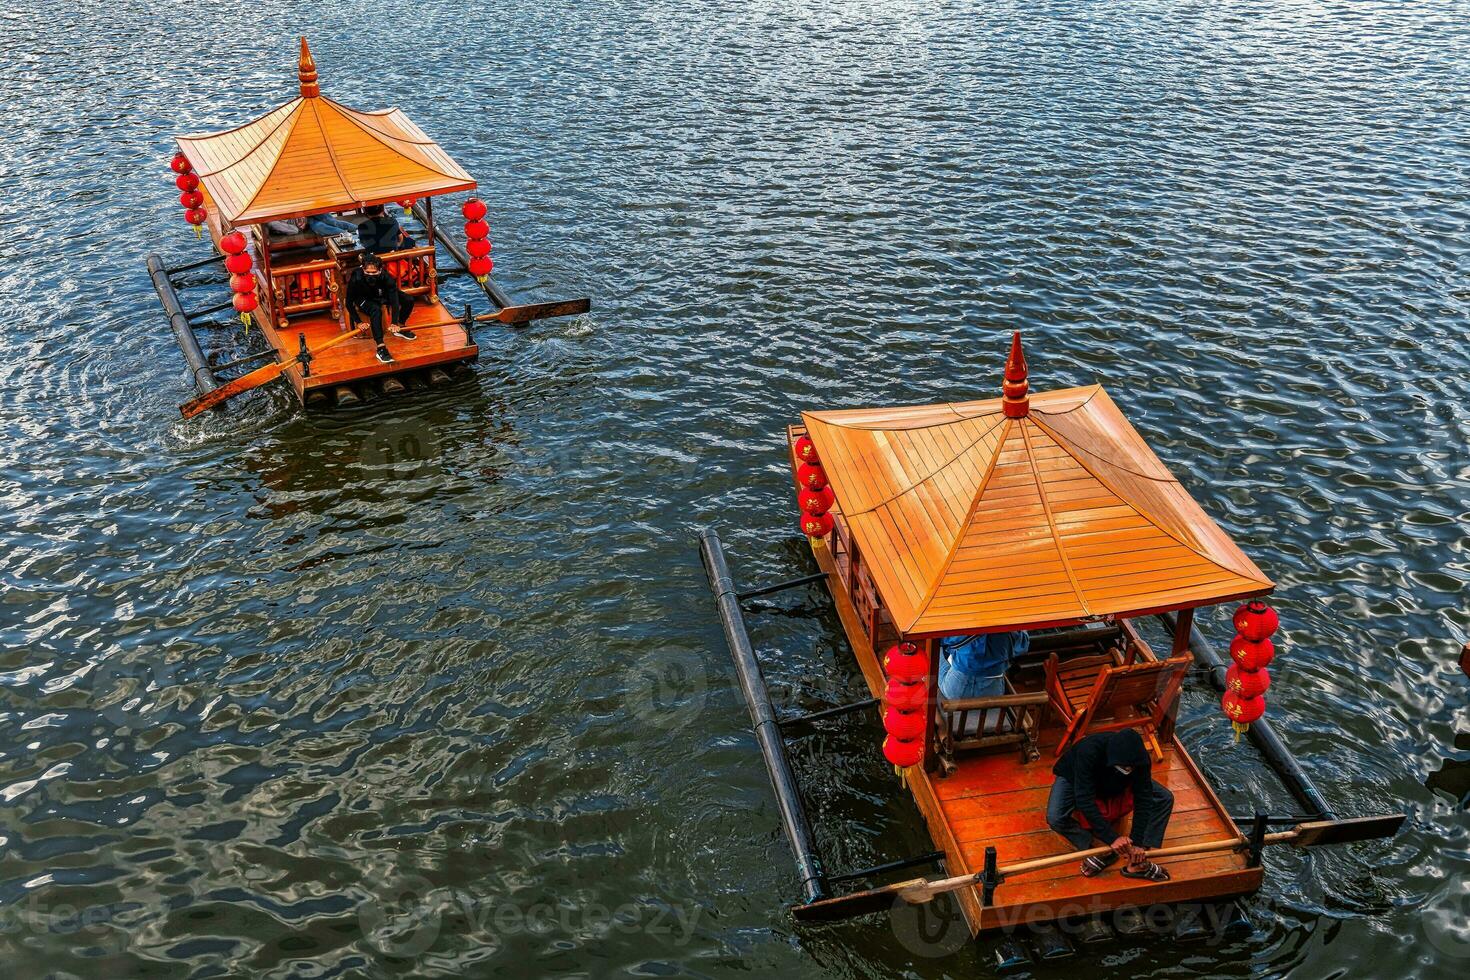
{"x":936,"y":717}
{"x":1261,"y":733}
{"x":766,"y":727}
{"x":1183,"y":624}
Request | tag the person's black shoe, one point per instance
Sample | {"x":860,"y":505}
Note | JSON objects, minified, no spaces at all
{"x":403,"y":333}
{"x":383,"y":355}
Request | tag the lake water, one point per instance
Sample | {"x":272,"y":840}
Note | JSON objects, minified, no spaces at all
{"x":436,"y":688}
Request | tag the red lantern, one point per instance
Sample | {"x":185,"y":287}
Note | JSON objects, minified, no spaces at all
{"x":476,"y":229}
{"x":186,"y":182}
{"x":180,"y":164}
{"x":806,"y":451}
{"x":238,"y":264}
{"x":196,"y":217}
{"x":473,"y":209}
{"x":242,"y":283}
{"x":904,"y":724}
{"x":903,"y":752}
{"x":191,"y":199}
{"x":905,"y":695}
{"x":811,"y":477}
{"x":244,"y":303}
{"x":478,"y":247}
{"x":906,"y":662}
{"x":1255,"y":620}
{"x":1242,"y":710}
{"x":406,"y":204}
{"x":816,"y":501}
{"x":232,"y":244}
{"x":480,"y":268}
{"x":816,"y":525}
{"x":1252,"y":655}
{"x":1247,"y":683}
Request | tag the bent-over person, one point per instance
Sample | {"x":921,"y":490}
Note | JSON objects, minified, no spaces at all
{"x":1099,"y":780}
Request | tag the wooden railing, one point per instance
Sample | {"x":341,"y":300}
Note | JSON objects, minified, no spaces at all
{"x":971,"y":724}
{"x":414,"y":270}
{"x":306,"y":286}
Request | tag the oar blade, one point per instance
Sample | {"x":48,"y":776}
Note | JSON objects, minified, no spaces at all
{"x":847,"y":906}
{"x":1348,"y":831}
{"x":543,"y":311}
{"x":230,"y":389}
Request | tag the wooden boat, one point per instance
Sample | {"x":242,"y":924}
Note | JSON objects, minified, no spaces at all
{"x":1046,"y":513}
{"x":315,"y":156}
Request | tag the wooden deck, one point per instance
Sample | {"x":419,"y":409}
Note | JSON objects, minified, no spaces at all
{"x":995,"y":799}
{"x":356,"y":359}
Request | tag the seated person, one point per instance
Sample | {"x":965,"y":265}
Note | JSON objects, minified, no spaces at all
{"x":371,"y":292}
{"x":322,"y":225}
{"x":1103,"y":778}
{"x":975,"y":666}
{"x":381,"y":232}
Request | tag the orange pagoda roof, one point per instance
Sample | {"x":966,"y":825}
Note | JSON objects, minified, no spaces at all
{"x":314,"y":155}
{"x":1021,"y":511}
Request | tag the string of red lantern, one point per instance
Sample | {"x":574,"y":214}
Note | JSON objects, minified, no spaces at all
{"x":815,"y":496}
{"x":242,"y":275}
{"x":1252,"y":650}
{"x":904,"y":701}
{"x":477,"y":239}
{"x":190,"y":196}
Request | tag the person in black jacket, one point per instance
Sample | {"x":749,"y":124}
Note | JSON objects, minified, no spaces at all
{"x":371,"y":292}
{"x":381,"y":232}
{"x":1095,"y":774}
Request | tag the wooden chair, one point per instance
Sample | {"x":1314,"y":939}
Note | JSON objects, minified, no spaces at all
{"x":1138,"y":695}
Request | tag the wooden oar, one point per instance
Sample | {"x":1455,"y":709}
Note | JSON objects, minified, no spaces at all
{"x":539,"y":311}
{"x":256,"y":378}
{"x":519,"y":314}
{"x":918,"y":890}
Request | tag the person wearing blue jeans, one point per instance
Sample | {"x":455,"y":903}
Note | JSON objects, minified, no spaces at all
{"x":975,"y":666}
{"x":327,"y":225}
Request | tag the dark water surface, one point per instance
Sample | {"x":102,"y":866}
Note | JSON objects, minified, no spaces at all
{"x":276,"y":700}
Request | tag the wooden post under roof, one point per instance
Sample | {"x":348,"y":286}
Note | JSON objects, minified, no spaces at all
{"x":1182,"y":625}
{"x":429,"y":231}
{"x":931,"y":728}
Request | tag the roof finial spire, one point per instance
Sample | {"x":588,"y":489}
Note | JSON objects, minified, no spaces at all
{"x":306,"y":71}
{"x":1016,"y":402}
